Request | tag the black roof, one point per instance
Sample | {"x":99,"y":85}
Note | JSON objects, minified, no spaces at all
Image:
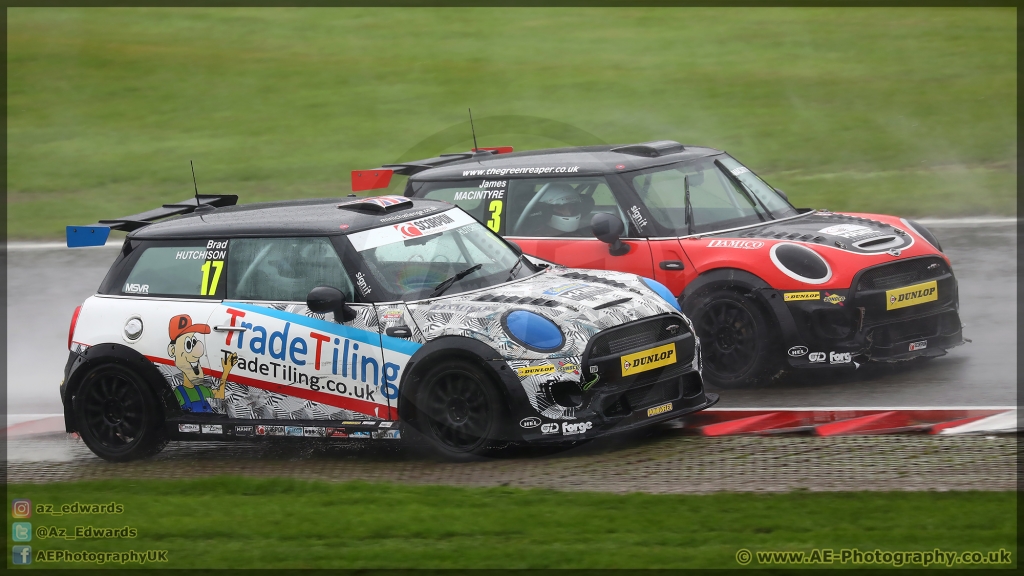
{"x":315,"y":217}
{"x":591,"y":160}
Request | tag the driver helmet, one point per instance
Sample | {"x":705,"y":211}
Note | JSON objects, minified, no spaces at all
{"x":564,"y":207}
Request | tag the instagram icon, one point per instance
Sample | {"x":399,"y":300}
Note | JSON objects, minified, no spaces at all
{"x":21,"y":508}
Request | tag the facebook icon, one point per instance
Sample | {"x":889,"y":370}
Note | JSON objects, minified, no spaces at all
{"x":22,"y":554}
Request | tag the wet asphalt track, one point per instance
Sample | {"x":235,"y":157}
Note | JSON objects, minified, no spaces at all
{"x":45,"y":285}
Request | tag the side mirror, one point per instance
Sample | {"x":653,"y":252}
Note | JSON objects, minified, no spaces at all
{"x":609,"y":229}
{"x":324,"y":299}
{"x":783,"y":194}
{"x":515,"y":246}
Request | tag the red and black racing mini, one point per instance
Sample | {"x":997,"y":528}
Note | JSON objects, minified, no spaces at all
{"x":766,"y":285}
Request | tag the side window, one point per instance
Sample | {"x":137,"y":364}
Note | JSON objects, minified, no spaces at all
{"x":283,"y":269}
{"x":484,"y":200}
{"x":194,"y":271}
{"x":558,"y":207}
{"x":716,"y":201}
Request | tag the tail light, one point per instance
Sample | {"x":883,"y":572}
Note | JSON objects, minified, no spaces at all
{"x":74,"y":321}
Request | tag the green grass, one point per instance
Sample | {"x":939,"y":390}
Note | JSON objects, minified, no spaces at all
{"x":907,"y":111}
{"x":272,"y":523}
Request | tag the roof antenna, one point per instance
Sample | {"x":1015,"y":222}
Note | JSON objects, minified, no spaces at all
{"x":476,"y":149}
{"x":194,"y":183}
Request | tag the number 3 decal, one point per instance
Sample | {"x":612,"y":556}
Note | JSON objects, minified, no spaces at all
{"x":495,"y":222}
{"x":218,"y":265}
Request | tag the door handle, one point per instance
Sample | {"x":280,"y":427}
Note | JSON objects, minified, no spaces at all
{"x":398,"y":331}
{"x":229,"y":329}
{"x":671,"y":265}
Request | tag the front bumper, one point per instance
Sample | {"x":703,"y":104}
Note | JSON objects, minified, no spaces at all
{"x":845,"y":327}
{"x":628,"y":393}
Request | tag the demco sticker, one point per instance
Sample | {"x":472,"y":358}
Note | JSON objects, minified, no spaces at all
{"x":649,"y":359}
{"x":744,"y":244}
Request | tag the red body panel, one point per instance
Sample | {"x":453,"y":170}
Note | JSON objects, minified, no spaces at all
{"x":844,"y":264}
{"x":589,"y":253}
{"x":667,"y":251}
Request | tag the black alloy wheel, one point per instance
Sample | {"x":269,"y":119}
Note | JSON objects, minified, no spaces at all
{"x":735,"y":338}
{"x":459,"y":410}
{"x":117,"y":415}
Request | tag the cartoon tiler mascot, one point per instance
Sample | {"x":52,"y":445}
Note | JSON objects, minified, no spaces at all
{"x":194,"y":392}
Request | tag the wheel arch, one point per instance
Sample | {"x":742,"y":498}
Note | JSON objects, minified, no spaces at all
{"x":724,"y":278}
{"x":762,"y":294}
{"x":453,"y":348}
{"x":113,"y":353}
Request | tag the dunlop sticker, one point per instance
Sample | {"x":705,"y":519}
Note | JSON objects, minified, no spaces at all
{"x":526,"y":371}
{"x":649,"y":359}
{"x":911,"y":295}
{"x":791,"y":296}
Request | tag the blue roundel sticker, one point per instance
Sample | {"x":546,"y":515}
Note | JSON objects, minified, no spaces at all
{"x":534,"y":330}
{"x":663,"y":291}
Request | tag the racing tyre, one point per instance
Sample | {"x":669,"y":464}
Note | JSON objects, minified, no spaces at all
{"x":458,"y":411}
{"x":117,"y":414}
{"x":736,"y":343}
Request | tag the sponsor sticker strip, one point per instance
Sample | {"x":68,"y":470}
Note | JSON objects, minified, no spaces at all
{"x":440,"y":222}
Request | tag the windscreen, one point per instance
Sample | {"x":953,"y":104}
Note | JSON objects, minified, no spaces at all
{"x":411,"y":259}
{"x":722,"y":194}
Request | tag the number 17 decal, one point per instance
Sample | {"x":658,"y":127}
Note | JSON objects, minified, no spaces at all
{"x":495,"y":209}
{"x":209,"y":287}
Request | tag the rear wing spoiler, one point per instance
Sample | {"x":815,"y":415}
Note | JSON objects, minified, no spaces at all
{"x":96,"y":234}
{"x":376,"y":178}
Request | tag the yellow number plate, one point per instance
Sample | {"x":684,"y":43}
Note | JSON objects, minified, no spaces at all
{"x":659,"y":410}
{"x":911,"y":295}
{"x":649,"y":359}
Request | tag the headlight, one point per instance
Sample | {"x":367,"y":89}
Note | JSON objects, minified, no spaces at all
{"x":922,"y":232}
{"x":800,"y":263}
{"x":663,"y":291}
{"x":533,"y":331}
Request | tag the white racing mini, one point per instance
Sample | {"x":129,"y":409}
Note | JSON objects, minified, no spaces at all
{"x":366,"y":318}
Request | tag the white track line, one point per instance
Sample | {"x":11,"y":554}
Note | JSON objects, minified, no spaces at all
{"x":970,"y":221}
{"x":1005,"y":422}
